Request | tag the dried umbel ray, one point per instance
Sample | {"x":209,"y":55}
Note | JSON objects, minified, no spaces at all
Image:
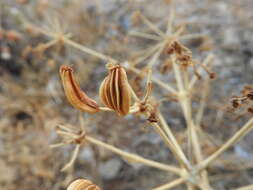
{"x":82,"y":184}
{"x":75,"y":95}
{"x":114,"y":91}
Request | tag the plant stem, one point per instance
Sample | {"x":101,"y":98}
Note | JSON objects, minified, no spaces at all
{"x":145,"y":35}
{"x":155,"y":80}
{"x":172,"y":138}
{"x":248,"y":187}
{"x":235,"y":138}
{"x":89,"y":51}
{"x":133,"y":157}
{"x":170,"y":184}
{"x":184,"y":162}
{"x":185,"y":102}
{"x":152,"y":26}
{"x":148,"y":52}
{"x":207,"y":60}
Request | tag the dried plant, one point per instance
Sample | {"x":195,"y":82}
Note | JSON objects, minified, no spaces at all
{"x":117,"y":95}
{"x":114,"y":90}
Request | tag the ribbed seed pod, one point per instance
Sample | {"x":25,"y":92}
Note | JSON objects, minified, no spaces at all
{"x":76,"y":97}
{"x":82,"y":184}
{"x":114,"y":90}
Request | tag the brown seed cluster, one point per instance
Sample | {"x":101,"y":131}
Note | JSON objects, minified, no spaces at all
{"x":82,"y":184}
{"x":74,"y":94}
{"x":245,"y":100}
{"x":183,"y":54}
{"x":184,"y":57}
{"x":114,"y":90}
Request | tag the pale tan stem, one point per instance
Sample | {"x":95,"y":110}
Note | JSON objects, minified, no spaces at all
{"x":178,"y":76}
{"x":170,"y":21}
{"x":145,"y":35}
{"x":164,"y":85}
{"x":76,"y":45}
{"x":170,"y":184}
{"x":73,"y":158}
{"x":148,"y":53}
{"x":202,"y":105}
{"x":133,"y":157}
{"x":207,"y":60}
{"x":248,"y":187}
{"x":67,"y":134}
{"x":152,"y":26}
{"x":182,"y":97}
{"x":190,"y":186}
{"x":191,"y":36}
{"x":133,"y":109}
{"x":169,"y":133}
{"x":193,"y":132}
{"x":235,"y":138}
{"x":155,"y":80}
{"x":89,"y":51}
{"x":182,"y":160}
{"x":133,"y":93}
{"x":185,"y":102}
{"x":156,"y":55}
{"x":105,"y":109}
{"x":57,"y":145}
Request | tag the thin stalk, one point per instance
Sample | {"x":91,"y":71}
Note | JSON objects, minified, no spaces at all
{"x":148,"y":53}
{"x":155,"y":80}
{"x":170,"y":21}
{"x":73,"y":158}
{"x":88,"y":50}
{"x":169,"y":133}
{"x":170,"y":184}
{"x":133,"y":157}
{"x":202,"y":105}
{"x":145,"y":35}
{"x":207,"y":60}
{"x":133,"y":93}
{"x":152,"y":26}
{"x":191,"y":36}
{"x":183,"y":161}
{"x":185,"y":102}
{"x":248,"y":187}
{"x":156,"y":55}
{"x":235,"y":138}
{"x":64,"y":38}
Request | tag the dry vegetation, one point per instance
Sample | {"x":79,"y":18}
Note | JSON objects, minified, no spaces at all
{"x":188,"y":64}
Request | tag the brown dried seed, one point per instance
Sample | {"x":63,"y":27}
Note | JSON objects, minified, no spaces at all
{"x":76,"y":97}
{"x":250,"y":110}
{"x":82,"y":184}
{"x":114,"y":90}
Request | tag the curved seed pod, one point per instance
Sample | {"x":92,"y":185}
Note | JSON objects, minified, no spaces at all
{"x":82,"y":184}
{"x":76,"y":97}
{"x":114,"y":90}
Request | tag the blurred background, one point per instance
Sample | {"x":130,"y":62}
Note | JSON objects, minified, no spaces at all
{"x":32,"y":101}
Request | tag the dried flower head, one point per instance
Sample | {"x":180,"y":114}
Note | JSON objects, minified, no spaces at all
{"x":248,"y":91}
{"x":114,"y":90}
{"x":82,"y":184}
{"x":182,"y":53}
{"x":76,"y":97}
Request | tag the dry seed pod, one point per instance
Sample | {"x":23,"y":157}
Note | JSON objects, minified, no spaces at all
{"x":82,"y":184}
{"x":114,"y":90}
{"x":74,"y":94}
